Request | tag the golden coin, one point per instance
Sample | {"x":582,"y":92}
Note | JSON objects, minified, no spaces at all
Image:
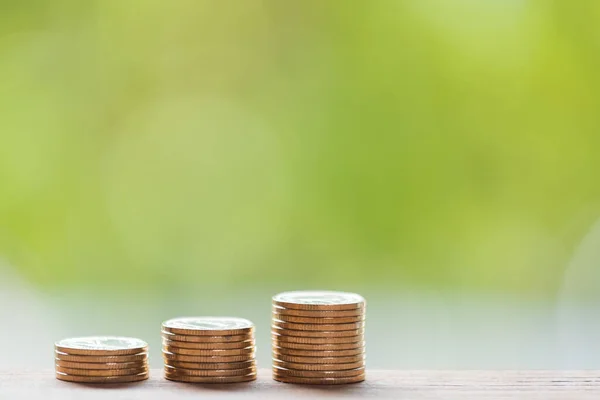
{"x":100,"y":359}
{"x":210,"y":366}
{"x":320,"y":320}
{"x":200,"y":359}
{"x":318,"y":374}
{"x":317,"y":367}
{"x":318,"y":353}
{"x":318,"y":347}
{"x":101,"y":372}
{"x":214,"y":372}
{"x":319,"y":314}
{"x":208,"y":326}
{"x":209,"y":353}
{"x":207,"y":339}
{"x":318,"y":327}
{"x":320,"y":334}
{"x":109,"y":366}
{"x":208,"y":346}
{"x":101,"y":346}
{"x":211,"y":379}
{"x":316,"y":340}
{"x":101,"y":379}
{"x":319,"y":300}
{"x":319,"y":381}
{"x":319,"y":360}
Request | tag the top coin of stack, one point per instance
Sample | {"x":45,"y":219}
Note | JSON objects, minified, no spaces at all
{"x":209,"y":349}
{"x":101,"y":359}
{"x":318,"y":337}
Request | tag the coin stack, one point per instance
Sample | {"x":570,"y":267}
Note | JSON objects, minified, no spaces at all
{"x":101,"y":359}
{"x":318,"y":337}
{"x":209,"y":350}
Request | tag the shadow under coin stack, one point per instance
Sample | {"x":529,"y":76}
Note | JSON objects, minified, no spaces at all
{"x":209,"y":350}
{"x":318,"y":337}
{"x":101,"y":359}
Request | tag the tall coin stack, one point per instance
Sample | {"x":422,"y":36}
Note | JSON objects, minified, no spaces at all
{"x":318,"y":337}
{"x":101,"y":359}
{"x":209,"y":350}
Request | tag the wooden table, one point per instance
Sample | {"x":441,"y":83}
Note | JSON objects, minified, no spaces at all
{"x":455,"y":385}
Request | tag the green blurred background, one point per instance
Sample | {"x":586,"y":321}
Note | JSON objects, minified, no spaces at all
{"x":427,"y":143}
{"x":154,"y":148}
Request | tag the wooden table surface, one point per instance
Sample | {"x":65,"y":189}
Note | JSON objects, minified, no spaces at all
{"x":455,"y":385}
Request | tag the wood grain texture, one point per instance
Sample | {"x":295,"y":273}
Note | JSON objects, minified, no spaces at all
{"x":455,"y":385}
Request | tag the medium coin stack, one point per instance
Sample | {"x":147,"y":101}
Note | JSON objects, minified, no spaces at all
{"x":101,"y":359}
{"x":318,"y":337}
{"x":209,"y":350}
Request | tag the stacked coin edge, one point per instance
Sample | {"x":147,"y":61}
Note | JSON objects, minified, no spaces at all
{"x":320,"y":344}
{"x":208,"y":355}
{"x":87,"y":360}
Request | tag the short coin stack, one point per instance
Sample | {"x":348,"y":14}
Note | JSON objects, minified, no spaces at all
{"x":101,"y":359}
{"x":209,"y":350}
{"x":318,"y":337}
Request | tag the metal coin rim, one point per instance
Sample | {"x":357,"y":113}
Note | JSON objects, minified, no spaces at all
{"x":317,"y":320}
{"x":210,"y":366}
{"x":106,"y":366}
{"x":318,"y":327}
{"x":205,"y":360}
{"x":208,"y":346}
{"x":100,"y":359}
{"x":319,"y":381}
{"x":319,"y":360}
{"x":206,"y":379}
{"x":317,"y":367}
{"x":207,"y":332}
{"x":207,"y":339}
{"x":361,"y":303}
{"x":315,"y":334}
{"x":318,"y":347}
{"x":318,"y":313}
{"x":102,"y":379}
{"x":317,"y":340}
{"x":100,"y":352}
{"x":209,"y":352}
{"x":101,"y":372}
{"x":318,"y":353}
{"x":209,"y":372}
{"x":318,"y":374}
